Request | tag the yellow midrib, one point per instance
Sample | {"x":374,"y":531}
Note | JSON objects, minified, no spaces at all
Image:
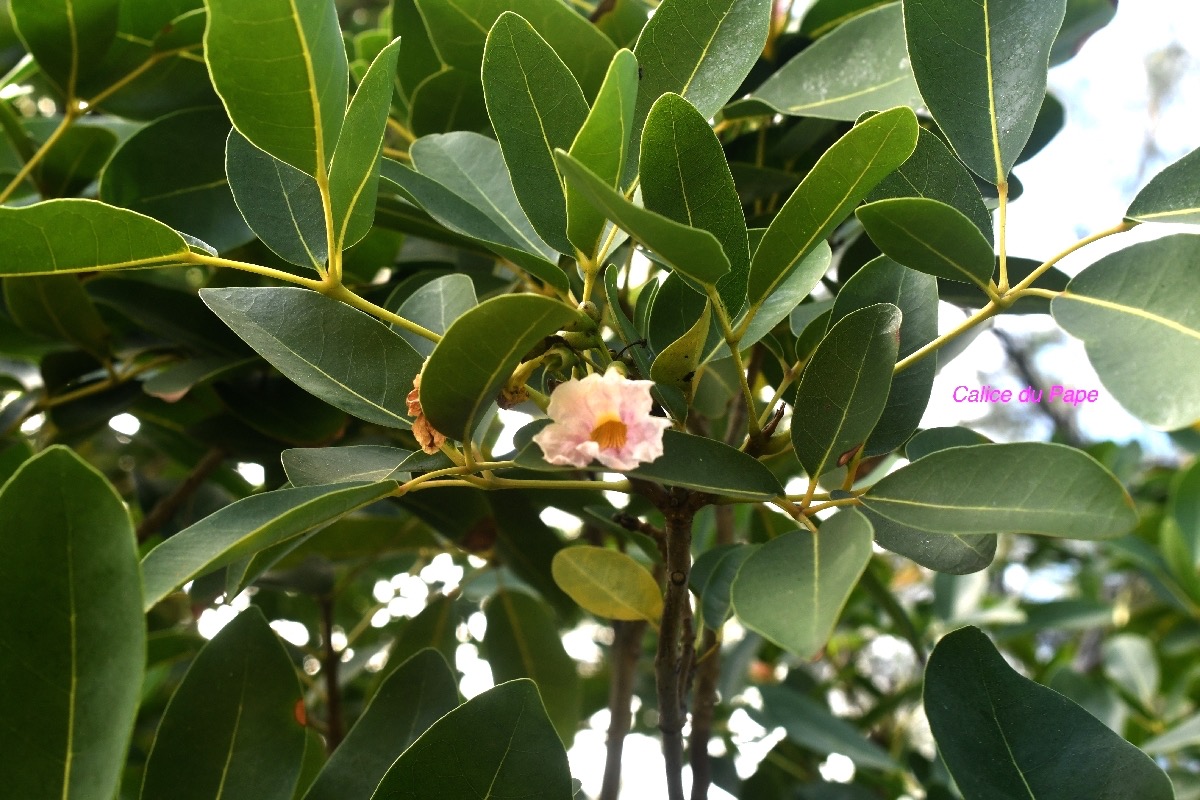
{"x":1133,"y":312}
{"x":991,"y":87}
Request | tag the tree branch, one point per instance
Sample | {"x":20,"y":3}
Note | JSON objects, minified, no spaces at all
{"x":626,"y":650}
{"x":165,"y":509}
{"x":670,"y":665}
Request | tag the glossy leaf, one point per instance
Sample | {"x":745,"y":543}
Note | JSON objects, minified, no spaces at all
{"x":608,"y":583}
{"x":319,"y":466}
{"x":792,"y":589}
{"x":67,"y":541}
{"x":981,"y":68}
{"x":514,"y":752}
{"x":412,"y":698}
{"x":686,"y":178}
{"x":67,"y":37}
{"x":989,"y":488}
{"x":335,"y":352}
{"x":81,"y":236}
{"x":354,"y":172}
{"x":435,"y":307}
{"x":830,"y":191}
{"x":861,"y":66}
{"x":844,"y":388}
{"x":246,"y":527}
{"x":280,"y":69}
{"x":523,"y":642}
{"x":1084,"y":18}
{"x":230,"y":729}
{"x":1002,"y":735}
{"x":1118,"y":318}
{"x":1173,"y":195}
{"x":57,"y":307}
{"x":931,"y":237}
{"x":536,"y":106}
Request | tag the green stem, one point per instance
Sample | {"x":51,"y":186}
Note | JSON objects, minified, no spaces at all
{"x":69,"y":116}
{"x":339,"y":292}
{"x":732,"y":339}
{"x":277,"y":274}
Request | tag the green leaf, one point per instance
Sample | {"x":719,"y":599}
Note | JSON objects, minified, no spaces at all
{"x":536,"y":106}
{"x":231,"y":728}
{"x":792,"y":589}
{"x":478,"y":354}
{"x":835,"y":185}
{"x":712,"y":581}
{"x":932,"y":171}
{"x":418,"y":57}
{"x":435,"y":307}
{"x":677,"y":364}
{"x":608,"y":583}
{"x":411,"y":699}
{"x":319,"y":466}
{"x":1118,"y":319}
{"x":1002,"y":735}
{"x":433,"y":628}
{"x":1172,"y":195}
{"x":1027,"y":487}
{"x":844,"y":388}
{"x":75,"y":160}
{"x":933,"y":439}
{"x":1130,"y":663}
{"x":280,"y":69}
{"x":1084,"y":18}
{"x":931,"y":237}
{"x":862,"y":66}
{"x":824,"y":16}
{"x":1185,"y":734}
{"x":335,"y":352}
{"x":81,"y":236}
{"x":689,"y":251}
{"x":73,"y":631}
{"x":66,"y":37}
{"x":787,"y":296}
{"x":884,"y":281}
{"x":686,"y":178}
{"x":57,"y":307}
{"x":631,"y":337}
{"x":248,"y":526}
{"x":981,"y":68}
{"x":812,"y":726}
{"x":602,"y":146}
{"x":953,"y":554}
{"x":450,"y":100}
{"x":522,"y":642}
{"x":514,"y":752}
{"x":144,"y":175}
{"x":354,"y":173}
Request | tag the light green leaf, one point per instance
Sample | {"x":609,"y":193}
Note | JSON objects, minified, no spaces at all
{"x":1130,"y":663}
{"x":514,"y":752}
{"x":339,"y":354}
{"x":862,"y":66}
{"x":280,"y":69}
{"x":66,"y":37}
{"x":57,"y":307}
{"x":354,"y":172}
{"x":1172,"y":195}
{"x":1002,"y":735}
{"x":81,"y":236}
{"x":70,"y":600}
{"x":689,"y":251}
{"x":411,"y":699}
{"x":608,"y":583}
{"x":1028,"y":487}
{"x":792,"y":589}
{"x":231,"y":728}
{"x":318,"y":466}
{"x":536,"y":106}
{"x":677,"y":364}
{"x":953,"y":554}
{"x":844,"y":388}
{"x":1185,"y":734}
{"x":1119,"y":318}
{"x":981,"y":68}
{"x":248,"y":526}
{"x":931,"y":237}
{"x":602,"y":146}
{"x":787,"y":296}
{"x":435,"y":306}
{"x":522,"y":642}
{"x":814,"y":727}
{"x":830,"y":191}
{"x":931,"y":440}
{"x":478,"y":354}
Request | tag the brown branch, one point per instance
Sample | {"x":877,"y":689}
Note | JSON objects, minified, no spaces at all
{"x":165,"y":509}
{"x":330,"y":662}
{"x":626,"y":650}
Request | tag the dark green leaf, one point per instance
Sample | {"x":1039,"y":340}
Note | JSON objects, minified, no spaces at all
{"x":318,"y":466}
{"x":934,"y":439}
{"x":67,"y":37}
{"x":1084,"y":17}
{"x":812,"y":726}
{"x":931,"y":237}
{"x":953,"y":554}
{"x":677,"y":364}
{"x":432,"y":628}
{"x":1173,"y":195}
{"x":435,"y":306}
{"x":450,"y":100}
{"x":75,"y":160}
{"x":57,"y":307}
{"x":712,"y":581}
{"x":824,"y":16}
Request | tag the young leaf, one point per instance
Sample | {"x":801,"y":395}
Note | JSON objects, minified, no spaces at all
{"x":81,"y":236}
{"x":1027,"y":487}
{"x":477,"y":355}
{"x":1173,"y":195}
{"x":248,"y":526}
{"x":514,"y":752}
{"x":678,"y":363}
{"x":1138,"y":332}
{"x":931,"y":237}
{"x":280,"y":69}
{"x":354,"y":173}
{"x":319,"y":466}
{"x":1002,"y":735}
{"x":792,"y":589}
{"x":844,"y":388}
{"x":70,"y":601}
{"x":981,"y":68}
{"x":412,"y":698}
{"x":435,"y":306}
{"x":608,"y":583}
{"x":335,"y":352}
{"x":830,"y":191}
{"x":231,"y":728}
{"x":535,"y":105}
{"x":67,"y":38}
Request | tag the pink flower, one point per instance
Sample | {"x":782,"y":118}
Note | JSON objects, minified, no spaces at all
{"x":604,"y":418}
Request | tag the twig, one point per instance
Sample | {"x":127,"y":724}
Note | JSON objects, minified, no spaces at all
{"x":331,"y":660}
{"x":626,"y":650}
{"x":165,"y":509}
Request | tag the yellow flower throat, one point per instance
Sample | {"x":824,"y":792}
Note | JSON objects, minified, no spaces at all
{"x":610,"y":432}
